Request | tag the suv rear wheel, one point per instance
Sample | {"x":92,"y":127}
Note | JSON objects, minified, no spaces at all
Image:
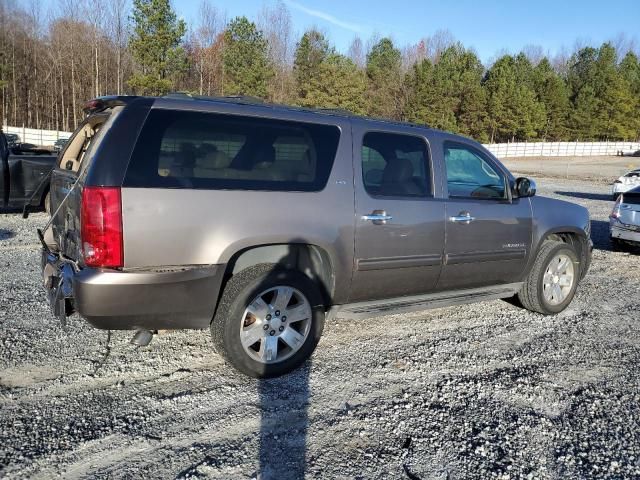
{"x":551,"y":283}
{"x":269,"y":321}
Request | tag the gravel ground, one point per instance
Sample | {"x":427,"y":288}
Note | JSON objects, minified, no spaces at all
{"x":601,"y":169}
{"x":479,"y":391}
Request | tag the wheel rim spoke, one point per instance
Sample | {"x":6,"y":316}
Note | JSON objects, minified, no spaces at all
{"x":251,"y":334}
{"x":258,"y":308}
{"x":298,"y":313}
{"x":565,"y":281}
{"x":562,"y":265}
{"x":282,"y":299}
{"x":292,"y":338}
{"x":268,"y":349}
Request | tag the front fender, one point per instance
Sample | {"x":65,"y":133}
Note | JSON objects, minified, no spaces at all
{"x":557,"y":217}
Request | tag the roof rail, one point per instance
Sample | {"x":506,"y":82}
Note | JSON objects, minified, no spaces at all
{"x":339,"y":111}
{"x":251,"y":100}
{"x":223,"y":98}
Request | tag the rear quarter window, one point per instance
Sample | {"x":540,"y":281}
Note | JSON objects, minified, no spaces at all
{"x":179,"y":149}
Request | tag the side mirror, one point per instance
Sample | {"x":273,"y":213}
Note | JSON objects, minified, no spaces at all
{"x":524,"y":187}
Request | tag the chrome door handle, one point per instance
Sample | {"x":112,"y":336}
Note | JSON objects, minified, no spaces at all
{"x":462,"y":217}
{"x":378,"y":217}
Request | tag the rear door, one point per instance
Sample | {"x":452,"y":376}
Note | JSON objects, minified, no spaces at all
{"x":488,"y":233}
{"x":399,"y":223}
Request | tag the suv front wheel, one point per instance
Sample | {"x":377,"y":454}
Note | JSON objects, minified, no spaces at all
{"x":269,"y":321}
{"x":552,"y":281}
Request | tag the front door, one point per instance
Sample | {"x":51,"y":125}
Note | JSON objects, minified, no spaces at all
{"x":488,"y":232}
{"x":399,"y":223}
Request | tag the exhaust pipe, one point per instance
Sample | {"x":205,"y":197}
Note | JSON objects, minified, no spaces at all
{"x":142,"y":338}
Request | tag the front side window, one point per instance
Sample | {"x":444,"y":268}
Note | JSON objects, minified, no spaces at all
{"x":395,"y":165}
{"x":203,"y":150}
{"x":470,"y":175}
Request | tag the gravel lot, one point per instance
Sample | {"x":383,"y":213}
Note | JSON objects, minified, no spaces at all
{"x":479,"y":391}
{"x":596,"y":168}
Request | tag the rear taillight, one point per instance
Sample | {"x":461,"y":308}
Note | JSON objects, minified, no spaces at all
{"x":101,"y":231}
{"x":615,"y":213}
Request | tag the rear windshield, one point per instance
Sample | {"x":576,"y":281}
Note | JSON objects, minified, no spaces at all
{"x":632,"y":196}
{"x":213,"y":151}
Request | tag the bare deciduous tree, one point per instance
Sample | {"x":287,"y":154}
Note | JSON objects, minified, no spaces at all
{"x":275,"y":22}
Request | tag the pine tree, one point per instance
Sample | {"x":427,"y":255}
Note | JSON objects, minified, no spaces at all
{"x":419,"y":81}
{"x":630,"y":72}
{"x":552,"y":92}
{"x":602,"y":99}
{"x":614,"y":95}
{"x":338,"y":84}
{"x":156,"y":46}
{"x":312,"y":50}
{"x":581,"y":83}
{"x":385,"y":80}
{"x":513,"y":110}
{"x":448,"y":95}
{"x":246,"y":64}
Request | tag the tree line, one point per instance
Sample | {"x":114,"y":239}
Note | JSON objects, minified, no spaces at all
{"x":50,"y":64}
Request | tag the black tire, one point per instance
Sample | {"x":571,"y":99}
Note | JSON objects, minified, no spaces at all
{"x":240,"y":290}
{"x":531,"y":295}
{"x":47,"y":203}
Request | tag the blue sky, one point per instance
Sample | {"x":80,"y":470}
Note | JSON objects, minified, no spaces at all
{"x":488,"y":26}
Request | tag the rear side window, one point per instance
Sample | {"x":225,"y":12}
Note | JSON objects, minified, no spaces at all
{"x":395,"y":165}
{"x":211,"y":151}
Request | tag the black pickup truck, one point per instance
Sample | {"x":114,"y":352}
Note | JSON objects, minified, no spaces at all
{"x":23,"y":176}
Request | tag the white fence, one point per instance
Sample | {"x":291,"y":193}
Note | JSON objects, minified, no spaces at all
{"x":36,"y":137}
{"x":500,"y":150}
{"x":560,"y":149}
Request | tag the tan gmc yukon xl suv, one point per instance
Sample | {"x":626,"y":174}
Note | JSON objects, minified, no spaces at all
{"x":259,"y":221}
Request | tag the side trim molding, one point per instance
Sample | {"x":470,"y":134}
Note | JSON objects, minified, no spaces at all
{"x":399,"y":262}
{"x":490,"y":256}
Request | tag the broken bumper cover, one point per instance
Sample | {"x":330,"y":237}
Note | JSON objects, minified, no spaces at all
{"x":132,"y":300}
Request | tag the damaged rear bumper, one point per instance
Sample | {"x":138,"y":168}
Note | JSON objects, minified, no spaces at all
{"x":167,"y":298}
{"x":627,"y":233}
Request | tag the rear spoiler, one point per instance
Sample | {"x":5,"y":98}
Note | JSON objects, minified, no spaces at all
{"x":102,"y":103}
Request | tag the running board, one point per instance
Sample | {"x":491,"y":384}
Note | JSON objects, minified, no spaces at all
{"x":417,"y":303}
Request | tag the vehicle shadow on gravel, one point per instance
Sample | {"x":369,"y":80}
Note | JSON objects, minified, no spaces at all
{"x":587,"y":195}
{"x":600,"y":235}
{"x":283,"y":425}
{"x":284,"y":400}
